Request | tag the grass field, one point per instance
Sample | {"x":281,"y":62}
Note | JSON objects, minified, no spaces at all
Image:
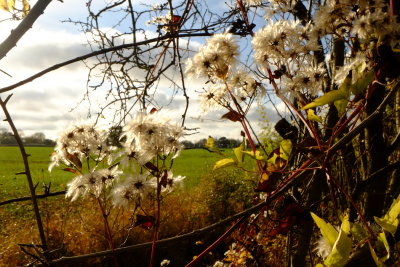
{"x":191,"y":163}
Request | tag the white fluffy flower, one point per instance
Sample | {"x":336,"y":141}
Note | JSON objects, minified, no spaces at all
{"x":133,"y":189}
{"x":323,"y":249}
{"x":148,"y":135}
{"x":215,"y":58}
{"x":78,"y":141}
{"x":165,"y":262}
{"x":282,"y":40}
{"x":94,"y":182}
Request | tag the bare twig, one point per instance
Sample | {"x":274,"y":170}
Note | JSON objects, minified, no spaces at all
{"x":27,"y":173}
{"x":20,"y":199}
{"x":95,"y":53}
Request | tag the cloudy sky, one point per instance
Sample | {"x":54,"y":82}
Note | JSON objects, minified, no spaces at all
{"x":50,"y":103}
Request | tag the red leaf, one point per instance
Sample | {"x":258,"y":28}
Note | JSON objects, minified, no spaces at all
{"x":232,"y":116}
{"x":176,"y":18}
{"x":74,"y":160}
{"x":164,"y":179}
{"x":146,"y":222}
{"x":151,"y":166}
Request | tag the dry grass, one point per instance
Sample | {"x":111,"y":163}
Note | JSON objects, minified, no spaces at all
{"x":77,"y":228}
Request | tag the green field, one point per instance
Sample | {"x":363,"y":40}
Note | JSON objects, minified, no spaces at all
{"x":191,"y":163}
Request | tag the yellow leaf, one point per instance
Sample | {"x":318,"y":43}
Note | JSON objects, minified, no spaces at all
{"x":210,"y":144}
{"x":326,"y":99}
{"x":389,"y":222}
{"x":327,"y":230}
{"x":313,"y":117}
{"x":258,"y":155}
{"x":342,"y":247}
{"x":285,"y":149}
{"x":332,"y":96}
{"x":382,"y":238}
{"x":26,"y":7}
{"x":341,"y":105}
{"x":375,"y":257}
{"x":4,"y":5}
{"x":362,"y":82}
{"x":224,"y":163}
{"x":340,"y":251}
{"x":238,"y":151}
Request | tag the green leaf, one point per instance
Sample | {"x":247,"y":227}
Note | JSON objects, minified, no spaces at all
{"x":238,"y":151}
{"x":383,"y":240}
{"x":313,"y":117}
{"x":258,"y":155}
{"x":342,"y":247}
{"x":387,"y":225}
{"x":389,"y":222}
{"x":327,"y":230}
{"x":224,"y":163}
{"x":341,"y":105}
{"x":362,"y":82}
{"x":285,"y":149}
{"x":326,"y":99}
{"x":358,"y":232}
{"x":342,"y":93}
{"x":340,"y":251}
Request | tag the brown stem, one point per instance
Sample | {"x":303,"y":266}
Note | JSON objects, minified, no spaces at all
{"x":108,"y":231}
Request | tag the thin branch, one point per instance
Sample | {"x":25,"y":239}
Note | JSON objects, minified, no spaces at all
{"x":11,"y":41}
{"x":20,"y":199}
{"x":95,"y":53}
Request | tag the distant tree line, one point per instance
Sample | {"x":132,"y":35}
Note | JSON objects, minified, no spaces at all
{"x":38,"y":139}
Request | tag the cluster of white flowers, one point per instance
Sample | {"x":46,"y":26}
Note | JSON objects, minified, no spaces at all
{"x":78,"y":141}
{"x":148,"y":135}
{"x":376,"y":23}
{"x":94,"y":182}
{"x":335,"y":17}
{"x":133,"y":189}
{"x":214,"y":60}
{"x":244,"y":85}
{"x":307,"y":80}
{"x":281,"y":41}
{"x":277,"y":7}
{"x":166,"y":23}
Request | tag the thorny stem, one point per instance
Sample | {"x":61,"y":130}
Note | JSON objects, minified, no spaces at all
{"x":108,"y":231}
{"x":157,"y":223}
{"x":27,"y":171}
